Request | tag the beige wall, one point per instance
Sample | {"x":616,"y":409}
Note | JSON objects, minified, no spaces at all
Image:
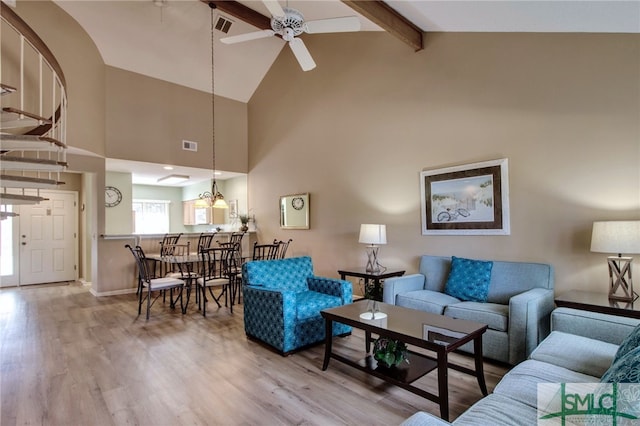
{"x":356,"y":132}
{"x":83,"y":69}
{"x":147,"y":119}
{"x":118,"y":219}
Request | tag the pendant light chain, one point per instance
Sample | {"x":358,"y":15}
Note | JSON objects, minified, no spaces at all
{"x":213,"y":102}
{"x":214,"y":198}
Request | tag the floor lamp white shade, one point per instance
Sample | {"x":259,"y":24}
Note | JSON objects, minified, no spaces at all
{"x":619,"y":237}
{"x":373,"y":234}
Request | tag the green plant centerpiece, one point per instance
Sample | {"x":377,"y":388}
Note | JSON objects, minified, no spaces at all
{"x":389,"y":352}
{"x":244,"y":220}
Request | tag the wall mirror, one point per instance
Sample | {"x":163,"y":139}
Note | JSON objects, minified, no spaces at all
{"x":294,"y":211}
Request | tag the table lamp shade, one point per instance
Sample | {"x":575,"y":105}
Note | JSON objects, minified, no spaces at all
{"x":622,"y":237}
{"x":373,"y":234}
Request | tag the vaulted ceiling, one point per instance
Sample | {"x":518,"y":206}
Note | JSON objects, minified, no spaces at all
{"x":170,"y":39}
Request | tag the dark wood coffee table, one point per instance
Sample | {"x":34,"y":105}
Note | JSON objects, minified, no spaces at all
{"x":598,"y":302}
{"x":436,"y":333}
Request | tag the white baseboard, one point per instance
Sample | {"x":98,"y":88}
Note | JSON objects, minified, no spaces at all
{"x":112,"y":293}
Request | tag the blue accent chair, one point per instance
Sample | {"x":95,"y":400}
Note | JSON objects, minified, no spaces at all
{"x":283,"y":300}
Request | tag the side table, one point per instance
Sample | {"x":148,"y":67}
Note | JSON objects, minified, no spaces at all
{"x":372,"y":284}
{"x":598,"y":302}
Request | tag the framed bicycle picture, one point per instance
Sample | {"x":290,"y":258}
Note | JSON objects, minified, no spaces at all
{"x":471,"y":199}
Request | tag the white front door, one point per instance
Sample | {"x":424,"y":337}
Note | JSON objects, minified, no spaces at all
{"x":48,"y":239}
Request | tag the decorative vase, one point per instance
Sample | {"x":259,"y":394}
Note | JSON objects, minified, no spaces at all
{"x":244,"y":228}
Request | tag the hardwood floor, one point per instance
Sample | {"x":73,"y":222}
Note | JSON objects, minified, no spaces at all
{"x":69,"y":358}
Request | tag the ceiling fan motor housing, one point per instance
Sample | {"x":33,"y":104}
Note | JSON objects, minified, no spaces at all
{"x":293,"y":21}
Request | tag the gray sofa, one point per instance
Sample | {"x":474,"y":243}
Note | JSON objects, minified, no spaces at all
{"x":517,"y":310}
{"x":579,"y":349}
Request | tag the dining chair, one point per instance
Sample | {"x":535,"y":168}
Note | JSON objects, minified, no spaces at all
{"x":282,"y":248}
{"x":234,"y":239}
{"x":217,"y":273}
{"x":204,"y":240}
{"x":173,"y":254}
{"x":264,"y":251}
{"x":165,"y":246}
{"x":155,"y":284}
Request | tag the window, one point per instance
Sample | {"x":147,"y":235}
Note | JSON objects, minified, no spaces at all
{"x":150,"y":216}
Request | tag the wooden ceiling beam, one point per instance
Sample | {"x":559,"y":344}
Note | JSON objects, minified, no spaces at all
{"x":391,"y":21}
{"x":242,"y":12}
{"x":375,"y":10}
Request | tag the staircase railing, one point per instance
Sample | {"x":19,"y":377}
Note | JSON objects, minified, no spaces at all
{"x":33,"y":118}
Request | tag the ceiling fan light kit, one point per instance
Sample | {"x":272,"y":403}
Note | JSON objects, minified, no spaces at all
{"x":289,"y":23}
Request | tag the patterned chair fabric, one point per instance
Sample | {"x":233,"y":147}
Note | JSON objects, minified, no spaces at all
{"x":283,"y":300}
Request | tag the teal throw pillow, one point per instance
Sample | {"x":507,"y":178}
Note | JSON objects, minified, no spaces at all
{"x":624,"y":370}
{"x":469,"y":279}
{"x":630,"y":342}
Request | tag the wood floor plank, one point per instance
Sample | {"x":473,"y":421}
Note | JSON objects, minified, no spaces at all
{"x":67,"y":358}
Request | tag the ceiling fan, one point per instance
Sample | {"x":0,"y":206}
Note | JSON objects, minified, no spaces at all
{"x":289,"y":23}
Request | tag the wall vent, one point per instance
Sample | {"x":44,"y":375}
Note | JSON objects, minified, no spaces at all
{"x":189,"y":145}
{"x":223,"y":24}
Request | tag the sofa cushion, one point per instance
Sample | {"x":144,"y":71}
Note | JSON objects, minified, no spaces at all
{"x":310,"y":303}
{"x":422,"y":418}
{"x":521,"y":382}
{"x":624,"y":370}
{"x":577,"y":353}
{"x":469,"y":279}
{"x":497,"y":409}
{"x":281,"y":274}
{"x":425,"y":300}
{"x":631,"y":342}
{"x":494,"y":315}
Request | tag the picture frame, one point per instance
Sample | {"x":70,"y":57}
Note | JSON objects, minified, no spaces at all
{"x":470,"y":199}
{"x":233,"y":209}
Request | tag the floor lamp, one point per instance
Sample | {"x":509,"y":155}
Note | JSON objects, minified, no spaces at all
{"x":618,"y":237}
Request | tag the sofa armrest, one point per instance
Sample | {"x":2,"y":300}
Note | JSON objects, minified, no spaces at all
{"x":396,"y":285}
{"x":529,"y":314}
{"x":333,"y":287}
{"x":269,"y":306}
{"x":604,"y":327}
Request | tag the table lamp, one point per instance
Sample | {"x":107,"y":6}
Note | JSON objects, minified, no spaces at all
{"x":618,"y":237}
{"x":373,"y":235}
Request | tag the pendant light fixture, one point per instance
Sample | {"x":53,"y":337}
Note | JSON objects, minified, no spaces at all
{"x":214,"y":198}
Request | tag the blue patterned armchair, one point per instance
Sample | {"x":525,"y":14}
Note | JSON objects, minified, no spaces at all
{"x":283,"y":300}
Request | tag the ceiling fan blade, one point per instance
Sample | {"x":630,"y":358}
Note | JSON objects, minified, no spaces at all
{"x":302,"y":54}
{"x":333,"y":25}
{"x":274,"y":8}
{"x":248,"y":36}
